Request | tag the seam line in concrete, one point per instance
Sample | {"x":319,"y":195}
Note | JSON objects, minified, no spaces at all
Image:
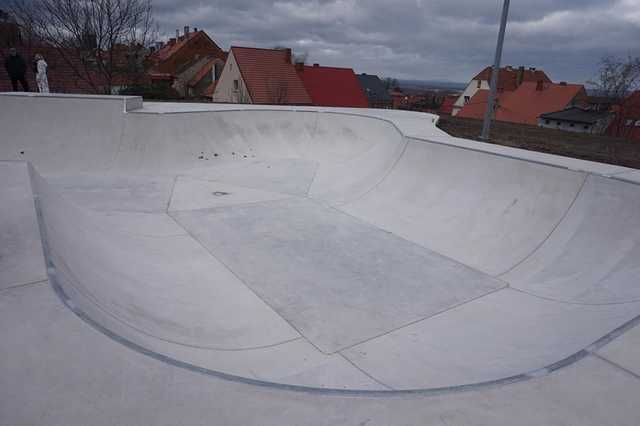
{"x":366,"y":373}
{"x":488,"y":151}
{"x":374,"y":226}
{"x":565,"y":302}
{"x":91,"y":299}
{"x":384,"y":177}
{"x":196,"y":239}
{"x":426,"y":318}
{"x":552,"y":231}
{"x":616,"y":365}
{"x":31,"y":283}
{"x":173,"y":188}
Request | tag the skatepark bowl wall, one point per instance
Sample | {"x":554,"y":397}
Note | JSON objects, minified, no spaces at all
{"x":316,"y":249}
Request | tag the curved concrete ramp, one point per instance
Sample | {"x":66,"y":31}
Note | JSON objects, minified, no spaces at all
{"x":337,"y":249}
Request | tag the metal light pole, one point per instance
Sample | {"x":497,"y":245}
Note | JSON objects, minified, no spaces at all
{"x":486,"y":127}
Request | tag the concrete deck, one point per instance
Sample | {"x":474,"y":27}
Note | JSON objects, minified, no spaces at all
{"x":177,"y":263}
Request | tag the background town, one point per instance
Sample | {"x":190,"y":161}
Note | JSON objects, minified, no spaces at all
{"x":599,"y":121}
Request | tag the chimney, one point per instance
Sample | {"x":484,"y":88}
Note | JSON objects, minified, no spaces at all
{"x":316,"y":65}
{"x":532,"y":68}
{"x":300,"y":66}
{"x":186,"y":31}
{"x":177,"y":34}
{"x":287,"y":55}
{"x":195,"y":29}
{"x":520,"y":75}
{"x":509,"y":68}
{"x":540,"y":86}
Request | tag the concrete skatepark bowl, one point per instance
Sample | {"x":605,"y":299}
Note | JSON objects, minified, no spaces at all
{"x":334,"y":251}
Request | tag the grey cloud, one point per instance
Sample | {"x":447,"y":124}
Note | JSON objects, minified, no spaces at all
{"x":422,"y":39}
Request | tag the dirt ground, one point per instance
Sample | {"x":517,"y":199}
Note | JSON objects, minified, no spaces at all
{"x":603,"y":149}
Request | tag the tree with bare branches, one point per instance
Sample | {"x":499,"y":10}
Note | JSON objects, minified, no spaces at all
{"x":103,"y":41}
{"x":616,"y":79}
{"x":278,"y":91}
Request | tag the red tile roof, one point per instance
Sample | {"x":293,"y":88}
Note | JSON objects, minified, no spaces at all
{"x":447,"y":105}
{"x":526,"y":103}
{"x":202,"y":72}
{"x":171,"y":48}
{"x":332,"y":87}
{"x":270,"y":77}
{"x":508,"y":77}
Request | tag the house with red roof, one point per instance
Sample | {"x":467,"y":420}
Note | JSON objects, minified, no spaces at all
{"x":527,"y":103}
{"x":190,"y":63}
{"x":331,"y":86}
{"x":260,"y":76}
{"x":447,"y":105}
{"x":509,"y":79}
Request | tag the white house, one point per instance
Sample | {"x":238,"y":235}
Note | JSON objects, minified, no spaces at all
{"x":260,"y":76}
{"x":231,"y":87}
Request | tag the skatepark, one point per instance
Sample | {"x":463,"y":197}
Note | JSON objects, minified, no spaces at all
{"x":179,"y":263}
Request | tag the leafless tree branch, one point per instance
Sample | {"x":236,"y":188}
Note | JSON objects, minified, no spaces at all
{"x":99,"y":39}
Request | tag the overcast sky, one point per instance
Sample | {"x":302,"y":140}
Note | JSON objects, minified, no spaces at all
{"x":421,"y":39}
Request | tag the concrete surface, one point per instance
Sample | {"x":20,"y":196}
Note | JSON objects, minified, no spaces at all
{"x":295,"y":265}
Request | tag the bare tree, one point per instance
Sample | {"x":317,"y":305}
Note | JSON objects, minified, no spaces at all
{"x":278,"y":91}
{"x":100,"y":40}
{"x":615,"y":80}
{"x":617,"y":77}
{"x":242,"y":96}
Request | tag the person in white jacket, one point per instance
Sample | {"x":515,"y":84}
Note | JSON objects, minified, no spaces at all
{"x":41,"y":74}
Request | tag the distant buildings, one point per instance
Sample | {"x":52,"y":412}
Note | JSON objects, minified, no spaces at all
{"x":576,"y":119}
{"x":509,"y":79}
{"x":189,"y":63}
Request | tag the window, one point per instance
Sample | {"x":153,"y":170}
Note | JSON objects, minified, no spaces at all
{"x":638,"y":123}
{"x":547,"y":122}
{"x":236,"y":85}
{"x":559,"y":123}
{"x":467,"y":99}
{"x":629,"y":123}
{"x":586,"y":127}
{"x":479,"y":84}
{"x":572,"y":125}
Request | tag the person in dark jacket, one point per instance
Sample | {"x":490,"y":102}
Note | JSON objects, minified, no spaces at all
{"x":16,"y":68}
